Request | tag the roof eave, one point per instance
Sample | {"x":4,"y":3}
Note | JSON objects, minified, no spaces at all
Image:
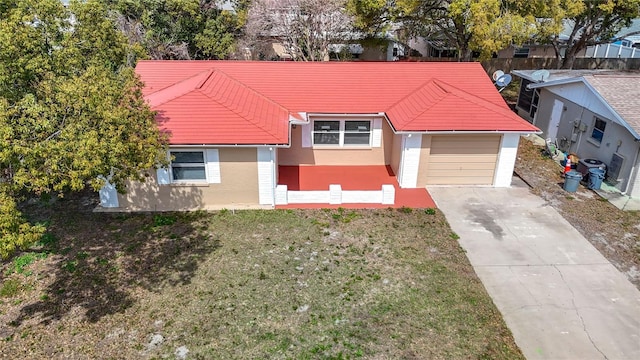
{"x":441,"y":132}
{"x":622,"y":121}
{"x":229,"y":145}
{"x":582,"y":79}
{"x":556,"y":82}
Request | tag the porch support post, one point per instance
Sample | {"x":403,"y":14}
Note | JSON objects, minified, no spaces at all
{"x":388,"y":194}
{"x":506,"y":160}
{"x":410,"y":160}
{"x":281,"y":195}
{"x":335,"y":194}
{"x":266,"y":175}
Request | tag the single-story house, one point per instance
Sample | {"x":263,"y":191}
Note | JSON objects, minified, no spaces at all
{"x":592,"y":113}
{"x":241,"y":132}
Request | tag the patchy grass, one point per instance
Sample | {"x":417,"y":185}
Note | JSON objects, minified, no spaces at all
{"x":615,"y":233}
{"x":10,"y":288}
{"x":21,"y":263}
{"x":312,"y":284}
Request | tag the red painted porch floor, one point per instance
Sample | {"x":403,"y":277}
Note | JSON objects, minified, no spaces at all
{"x":350,"y":178}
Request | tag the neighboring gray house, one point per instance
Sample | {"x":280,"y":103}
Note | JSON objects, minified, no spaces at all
{"x":592,"y":113}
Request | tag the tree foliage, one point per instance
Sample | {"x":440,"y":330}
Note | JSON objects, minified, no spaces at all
{"x":305,"y":28}
{"x":180,"y":29}
{"x":486,"y":26}
{"x":483,"y":26}
{"x":590,"y":22}
{"x":15,"y":233}
{"x":70,"y":108}
{"x":373,"y":16}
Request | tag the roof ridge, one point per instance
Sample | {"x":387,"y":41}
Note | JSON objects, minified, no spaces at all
{"x":237,"y":82}
{"x":201,"y":83}
{"x":159,"y":92}
{"x":432,"y":105}
{"x":252,"y":89}
{"x":411,"y":93}
{"x":471,"y":98}
{"x":480,"y":101}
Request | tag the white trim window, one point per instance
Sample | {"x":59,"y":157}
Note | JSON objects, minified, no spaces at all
{"x":342,"y":132}
{"x":188,"y":166}
{"x":597,"y":134}
{"x":191,"y":166}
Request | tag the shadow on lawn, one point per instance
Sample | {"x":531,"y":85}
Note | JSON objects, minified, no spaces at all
{"x":99,"y":260}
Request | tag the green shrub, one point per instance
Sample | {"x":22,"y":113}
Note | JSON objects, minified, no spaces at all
{"x":15,"y":232}
{"x":10,"y":288}
{"x":405,"y":210}
{"x":21,"y":262}
{"x":164,"y":220}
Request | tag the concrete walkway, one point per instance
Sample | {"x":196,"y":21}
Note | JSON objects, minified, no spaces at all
{"x":617,"y":199}
{"x":559,"y":296}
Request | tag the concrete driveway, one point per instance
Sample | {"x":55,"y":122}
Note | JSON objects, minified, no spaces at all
{"x":559,"y":296}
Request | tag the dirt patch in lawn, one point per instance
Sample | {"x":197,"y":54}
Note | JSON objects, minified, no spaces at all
{"x":615,"y":233}
{"x":389,"y":283}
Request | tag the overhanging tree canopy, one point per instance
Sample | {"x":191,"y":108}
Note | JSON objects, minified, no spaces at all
{"x":576,"y":24}
{"x":70,"y":109}
{"x":180,"y":29}
{"x":484,"y":26}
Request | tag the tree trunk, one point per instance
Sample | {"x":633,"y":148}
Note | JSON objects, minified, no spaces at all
{"x":569,"y":58}
{"x":572,"y":51}
{"x":465,"y":54}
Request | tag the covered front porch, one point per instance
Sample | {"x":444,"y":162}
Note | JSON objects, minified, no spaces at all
{"x":376,"y":186}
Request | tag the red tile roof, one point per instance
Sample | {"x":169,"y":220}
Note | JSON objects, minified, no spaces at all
{"x":239,"y":102}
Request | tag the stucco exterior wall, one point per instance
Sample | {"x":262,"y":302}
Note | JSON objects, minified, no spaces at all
{"x":542,"y":118}
{"x":374,"y":53}
{"x":425,"y":152}
{"x":238,"y":187}
{"x":575,"y":129}
{"x":323,"y":155}
{"x":396,"y":153}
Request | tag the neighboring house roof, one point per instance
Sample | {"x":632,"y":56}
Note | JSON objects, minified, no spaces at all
{"x":622,"y":93}
{"x":240,"y":102}
{"x":619,"y":90}
{"x":633,"y":28}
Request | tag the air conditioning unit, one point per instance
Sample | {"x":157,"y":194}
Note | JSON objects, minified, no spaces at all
{"x":615,"y":166}
{"x":585,"y":164}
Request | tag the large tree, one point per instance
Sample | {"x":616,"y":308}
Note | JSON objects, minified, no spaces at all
{"x":71,"y":110}
{"x":305,"y":28}
{"x":181,"y":29}
{"x":483,"y":26}
{"x":590,"y":22}
{"x":486,"y":26}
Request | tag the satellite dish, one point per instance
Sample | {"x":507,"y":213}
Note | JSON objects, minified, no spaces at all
{"x":497,"y":74}
{"x":503,"y":80}
{"x":540,"y":75}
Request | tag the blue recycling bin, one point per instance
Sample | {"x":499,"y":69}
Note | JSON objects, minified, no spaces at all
{"x":596,"y":175}
{"x":572,"y":180}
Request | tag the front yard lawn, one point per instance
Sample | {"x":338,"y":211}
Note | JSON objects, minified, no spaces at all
{"x":304,"y":284}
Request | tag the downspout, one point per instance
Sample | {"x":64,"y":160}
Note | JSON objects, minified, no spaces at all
{"x":634,"y":168}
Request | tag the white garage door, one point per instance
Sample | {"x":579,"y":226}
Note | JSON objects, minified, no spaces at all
{"x":462,"y":159}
